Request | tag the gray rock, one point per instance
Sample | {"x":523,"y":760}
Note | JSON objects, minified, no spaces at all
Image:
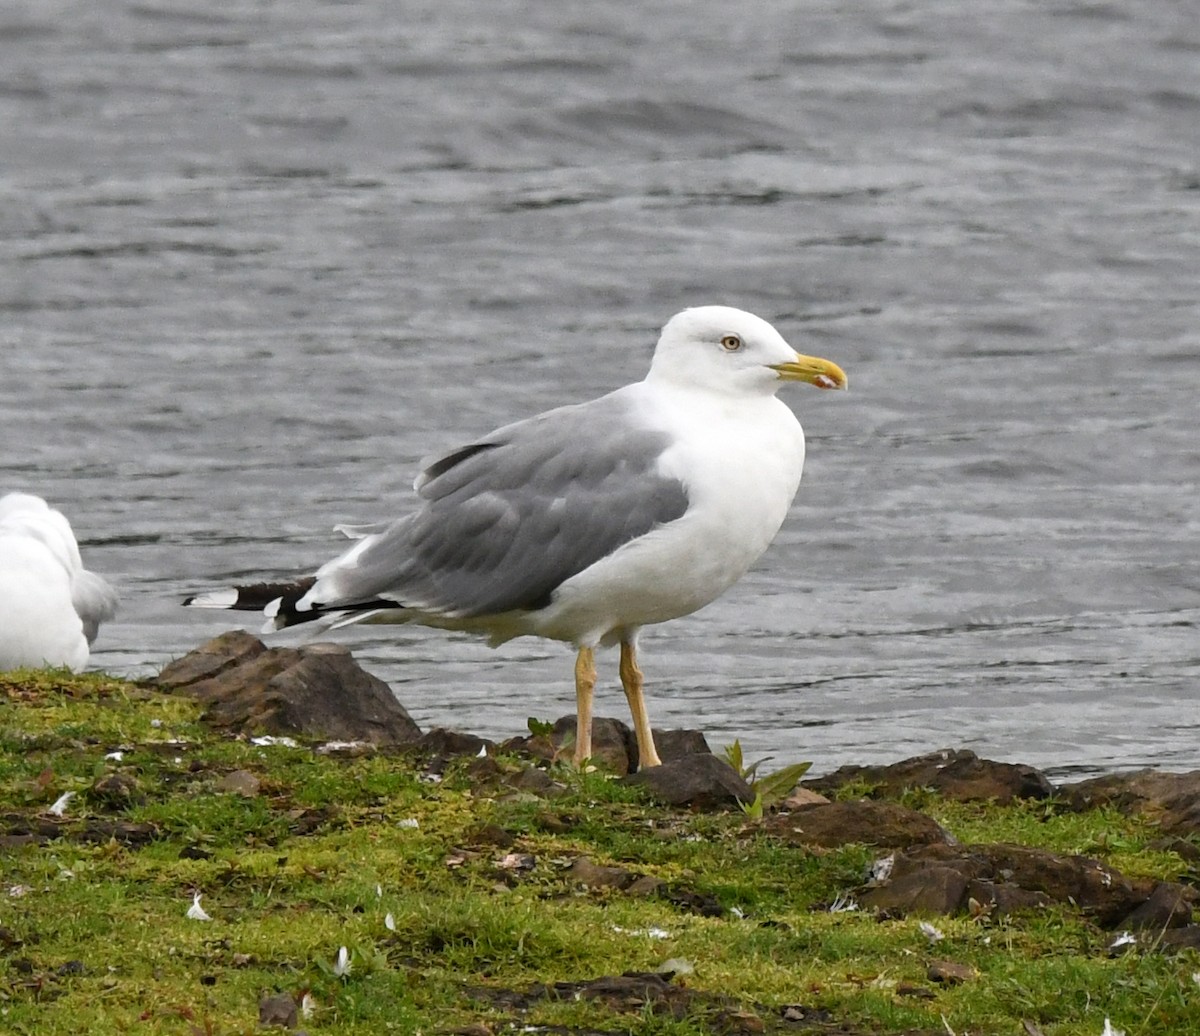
{"x":1000,"y":878}
{"x":1170,"y":905}
{"x":1171,"y":799}
{"x":317,"y":691}
{"x":832,"y":824}
{"x":930,"y":890}
{"x":239,"y":782}
{"x":953,"y":773}
{"x":697,"y":781}
{"x":587,"y":872}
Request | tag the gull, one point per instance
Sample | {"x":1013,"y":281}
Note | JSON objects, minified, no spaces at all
{"x":51,"y":606}
{"x":590,"y":521}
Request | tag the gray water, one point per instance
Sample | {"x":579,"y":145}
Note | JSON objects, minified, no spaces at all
{"x":257,"y":259}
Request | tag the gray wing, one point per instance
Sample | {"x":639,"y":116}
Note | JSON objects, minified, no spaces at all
{"x":508,"y":519}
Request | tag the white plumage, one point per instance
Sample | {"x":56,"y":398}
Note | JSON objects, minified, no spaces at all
{"x":51,"y":606}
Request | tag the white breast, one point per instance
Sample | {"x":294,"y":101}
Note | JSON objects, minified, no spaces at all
{"x":741,"y":461}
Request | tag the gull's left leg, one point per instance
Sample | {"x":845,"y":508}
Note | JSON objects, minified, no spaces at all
{"x":585,"y":685}
{"x":631,"y":680}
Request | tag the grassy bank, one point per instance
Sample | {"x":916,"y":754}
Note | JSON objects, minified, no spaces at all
{"x":459,"y":900}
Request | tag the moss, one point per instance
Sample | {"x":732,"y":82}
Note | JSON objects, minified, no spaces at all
{"x":441,"y":931}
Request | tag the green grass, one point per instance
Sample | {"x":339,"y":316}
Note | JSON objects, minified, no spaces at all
{"x":94,"y":935}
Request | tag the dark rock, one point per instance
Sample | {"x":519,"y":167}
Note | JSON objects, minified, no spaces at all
{"x":698,"y":903}
{"x":999,"y":899}
{"x":587,"y":872}
{"x":490,"y":834}
{"x":834,"y":824}
{"x":239,"y":782}
{"x":1181,"y":847}
{"x":119,"y":789}
{"x":1180,"y":939}
{"x":929,"y":890}
{"x":210,"y":659}
{"x":614,"y":748}
{"x":537,"y":782}
{"x":126,"y":832}
{"x":698,"y":781}
{"x":953,"y":773}
{"x":1172,"y":800}
{"x":916,"y":992}
{"x":941,"y":878}
{"x":444,"y":744}
{"x":803,"y":797}
{"x":279,"y":1009}
{"x":538,"y":747}
{"x":647,"y":885}
{"x":1170,"y":905}
{"x":675,"y":744}
{"x":483,"y":770}
{"x":317,"y":691}
{"x":1097,"y":889}
{"x":949,"y":972}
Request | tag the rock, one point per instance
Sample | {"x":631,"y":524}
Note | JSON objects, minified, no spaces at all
{"x":803,"y":797}
{"x":930,"y":890}
{"x":484,"y":771}
{"x":279,"y":1009}
{"x":954,"y":773}
{"x":1170,"y":905}
{"x":939,"y":878}
{"x":915,"y":991}
{"x":1171,"y":799}
{"x":949,"y":972}
{"x":647,"y":885}
{"x":537,"y":782}
{"x":318,"y":691}
{"x":587,"y":872}
{"x":999,"y":899}
{"x":119,"y":789}
{"x":1176,"y":939}
{"x":833,"y":824}
{"x":490,"y":835}
{"x":210,"y":659}
{"x":614,"y":748}
{"x":1096,"y":888}
{"x":239,"y":782}
{"x":675,"y":744}
{"x":443,"y":744}
{"x":127,"y":832}
{"x":698,"y":781}
{"x":1181,"y":847}
{"x":693,"y":902}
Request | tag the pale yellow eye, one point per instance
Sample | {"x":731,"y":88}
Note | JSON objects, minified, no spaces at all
{"x":731,"y":343}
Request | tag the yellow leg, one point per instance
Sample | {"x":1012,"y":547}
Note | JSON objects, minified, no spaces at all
{"x":585,"y":685}
{"x":631,"y":680}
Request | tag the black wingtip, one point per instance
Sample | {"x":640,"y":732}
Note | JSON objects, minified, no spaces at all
{"x":253,"y":597}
